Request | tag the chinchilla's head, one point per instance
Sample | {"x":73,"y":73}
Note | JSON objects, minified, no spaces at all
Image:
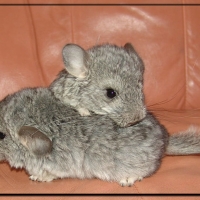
{"x":5,"y":138}
{"x":28,"y":142}
{"x":106,"y":79}
{"x":9,"y":149}
{"x":2,"y":149}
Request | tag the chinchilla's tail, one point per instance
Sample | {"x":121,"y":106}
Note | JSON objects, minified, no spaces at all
{"x":184,"y":143}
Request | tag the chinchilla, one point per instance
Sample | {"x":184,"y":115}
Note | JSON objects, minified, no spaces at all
{"x":115,"y":139}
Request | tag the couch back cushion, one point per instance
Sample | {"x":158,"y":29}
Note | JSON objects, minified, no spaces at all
{"x":166,"y":37}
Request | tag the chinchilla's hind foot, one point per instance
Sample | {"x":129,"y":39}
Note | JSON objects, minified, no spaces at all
{"x":129,"y":181}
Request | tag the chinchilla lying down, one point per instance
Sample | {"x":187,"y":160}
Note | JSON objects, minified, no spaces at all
{"x":91,"y":122}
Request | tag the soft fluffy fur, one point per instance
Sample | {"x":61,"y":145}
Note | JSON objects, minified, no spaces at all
{"x":117,"y":140}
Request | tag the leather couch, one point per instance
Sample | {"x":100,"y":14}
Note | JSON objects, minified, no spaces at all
{"x":167,"y":37}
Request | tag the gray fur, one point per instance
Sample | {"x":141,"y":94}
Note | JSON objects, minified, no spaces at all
{"x":82,"y":147}
{"x":184,"y":143}
{"x":108,"y":66}
{"x":101,"y":144}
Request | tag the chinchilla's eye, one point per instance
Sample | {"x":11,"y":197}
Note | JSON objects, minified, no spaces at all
{"x":110,"y":93}
{"x":2,"y":136}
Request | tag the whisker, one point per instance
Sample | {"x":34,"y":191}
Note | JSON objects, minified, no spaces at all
{"x":166,"y":100}
{"x":186,"y":113}
{"x":97,"y":41}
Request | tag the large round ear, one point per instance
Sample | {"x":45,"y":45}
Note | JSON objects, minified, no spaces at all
{"x":129,"y":48}
{"x":131,"y":51}
{"x":75,"y":60}
{"x":35,"y":141}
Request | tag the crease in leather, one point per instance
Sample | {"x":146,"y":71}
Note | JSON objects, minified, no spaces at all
{"x":185,"y":55}
{"x":36,"y":51}
{"x":8,"y":179}
{"x":72,"y":25}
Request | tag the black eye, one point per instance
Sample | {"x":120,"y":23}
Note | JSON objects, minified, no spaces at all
{"x":110,"y":93}
{"x":2,"y":135}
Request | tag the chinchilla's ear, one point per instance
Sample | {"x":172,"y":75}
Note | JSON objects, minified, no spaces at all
{"x":35,"y":141}
{"x":75,"y":60}
{"x":129,"y":48}
{"x":131,"y":51}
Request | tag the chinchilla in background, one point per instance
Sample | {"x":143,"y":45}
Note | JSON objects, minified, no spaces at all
{"x":90,"y":122}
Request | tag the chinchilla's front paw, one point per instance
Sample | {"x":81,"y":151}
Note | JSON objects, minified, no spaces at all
{"x":44,"y":177}
{"x":129,"y":181}
{"x":84,"y":112}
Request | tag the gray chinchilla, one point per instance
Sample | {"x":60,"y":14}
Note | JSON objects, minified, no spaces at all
{"x":115,"y":139}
